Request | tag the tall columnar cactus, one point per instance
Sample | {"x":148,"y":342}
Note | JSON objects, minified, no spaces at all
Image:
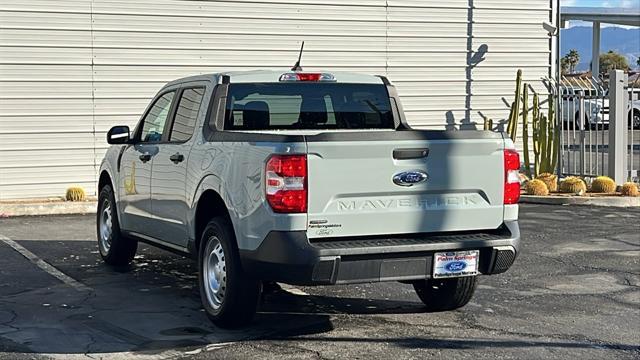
{"x":545,"y":138}
{"x":514,"y":115}
{"x":544,"y":131}
{"x":525,"y":130}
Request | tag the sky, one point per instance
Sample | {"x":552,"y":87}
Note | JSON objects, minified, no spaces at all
{"x":602,"y":3}
{"x":627,"y":4}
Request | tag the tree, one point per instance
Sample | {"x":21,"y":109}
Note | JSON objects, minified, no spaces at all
{"x":613,"y":61}
{"x":564,"y":65}
{"x":638,"y":61}
{"x":569,"y":62}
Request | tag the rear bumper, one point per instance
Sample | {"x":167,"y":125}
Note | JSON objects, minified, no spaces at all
{"x":290,"y":257}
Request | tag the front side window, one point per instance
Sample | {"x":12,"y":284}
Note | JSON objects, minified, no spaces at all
{"x":156,"y":119}
{"x":186,"y":114}
{"x":308,"y":105}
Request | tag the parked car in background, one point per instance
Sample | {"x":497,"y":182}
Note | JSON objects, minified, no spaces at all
{"x":307,"y":178}
{"x":595,"y":109}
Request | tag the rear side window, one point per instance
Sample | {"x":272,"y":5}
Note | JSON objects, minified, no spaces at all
{"x":308,"y":105}
{"x":186,"y":114}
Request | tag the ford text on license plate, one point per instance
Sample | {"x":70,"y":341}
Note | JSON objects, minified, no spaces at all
{"x":455,"y":264}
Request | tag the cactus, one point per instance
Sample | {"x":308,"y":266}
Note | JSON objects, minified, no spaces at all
{"x":551,"y":180}
{"x":603,"y":184}
{"x":75,"y":193}
{"x":488,"y":124}
{"x":525,"y":130}
{"x":630,"y":189}
{"x":536,"y":187}
{"x":573,"y":185}
{"x":546,"y":138}
{"x":512,"y":126}
{"x":544,"y":131}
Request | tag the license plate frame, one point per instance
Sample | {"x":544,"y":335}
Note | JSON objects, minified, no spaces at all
{"x":452,"y":264}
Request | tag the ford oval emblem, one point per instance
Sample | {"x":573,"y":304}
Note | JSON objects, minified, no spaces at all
{"x":410,"y":178}
{"x":456,"y":266}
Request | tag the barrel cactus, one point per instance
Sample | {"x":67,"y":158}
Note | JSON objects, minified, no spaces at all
{"x":551,"y":180}
{"x":75,"y":193}
{"x":603,"y":184}
{"x":573,"y":185}
{"x":630,"y":189}
{"x":537,"y":187}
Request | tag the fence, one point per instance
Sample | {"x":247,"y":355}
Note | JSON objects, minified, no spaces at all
{"x":599,"y":124}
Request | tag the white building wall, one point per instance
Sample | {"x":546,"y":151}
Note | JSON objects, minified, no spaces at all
{"x":70,"y":69}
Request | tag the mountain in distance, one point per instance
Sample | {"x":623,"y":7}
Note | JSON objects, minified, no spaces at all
{"x":622,"y":40}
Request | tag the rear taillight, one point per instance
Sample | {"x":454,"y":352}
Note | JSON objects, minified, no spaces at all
{"x":511,"y":176}
{"x":286,"y":183}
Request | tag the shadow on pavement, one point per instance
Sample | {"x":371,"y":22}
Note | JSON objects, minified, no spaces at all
{"x":151,"y":307}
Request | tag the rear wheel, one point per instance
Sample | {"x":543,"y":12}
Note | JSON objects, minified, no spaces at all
{"x":229,"y":295}
{"x":446,"y":294}
{"x":115,"y":248}
{"x":634,"y":120}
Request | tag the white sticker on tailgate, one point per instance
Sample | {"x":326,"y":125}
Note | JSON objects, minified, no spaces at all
{"x":455,"y":264}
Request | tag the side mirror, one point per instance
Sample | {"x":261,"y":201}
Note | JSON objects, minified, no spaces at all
{"x":118,"y":135}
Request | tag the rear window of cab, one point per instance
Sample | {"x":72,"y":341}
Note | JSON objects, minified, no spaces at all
{"x":307,"y":105}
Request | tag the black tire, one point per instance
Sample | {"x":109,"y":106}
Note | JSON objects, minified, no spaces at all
{"x":446,"y":294}
{"x":634,"y":120}
{"x":237,"y":302}
{"x":585,"y":125}
{"x":115,"y":249}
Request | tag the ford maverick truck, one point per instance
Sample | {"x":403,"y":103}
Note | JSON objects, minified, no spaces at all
{"x":308,"y":179}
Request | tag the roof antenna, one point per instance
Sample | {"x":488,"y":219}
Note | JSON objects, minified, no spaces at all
{"x":297,"y":66}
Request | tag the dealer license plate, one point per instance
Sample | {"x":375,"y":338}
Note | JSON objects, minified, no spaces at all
{"x":455,"y":264}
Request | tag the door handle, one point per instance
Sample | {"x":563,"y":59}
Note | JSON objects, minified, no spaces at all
{"x":145,"y":157}
{"x":407,"y":154}
{"x":176,"y":158}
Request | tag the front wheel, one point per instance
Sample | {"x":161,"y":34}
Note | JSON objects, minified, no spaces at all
{"x":446,"y":294}
{"x":115,"y":248}
{"x":229,"y":295}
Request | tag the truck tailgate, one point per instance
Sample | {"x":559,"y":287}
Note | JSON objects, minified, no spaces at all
{"x":352,"y":192}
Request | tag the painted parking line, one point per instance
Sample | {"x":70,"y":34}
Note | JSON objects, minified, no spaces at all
{"x":292,"y":290}
{"x":48,"y":268}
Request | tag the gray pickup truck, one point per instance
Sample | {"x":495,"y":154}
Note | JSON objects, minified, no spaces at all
{"x":309,"y":179}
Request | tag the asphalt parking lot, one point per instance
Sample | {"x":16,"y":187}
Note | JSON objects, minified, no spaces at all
{"x":574,"y":292}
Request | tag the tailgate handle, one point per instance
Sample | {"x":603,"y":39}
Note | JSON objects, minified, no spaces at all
{"x":406,"y":154}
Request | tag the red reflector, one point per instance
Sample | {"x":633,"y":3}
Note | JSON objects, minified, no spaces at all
{"x":288,"y":201}
{"x":286,"y":183}
{"x":511,"y":177}
{"x":511,"y":193}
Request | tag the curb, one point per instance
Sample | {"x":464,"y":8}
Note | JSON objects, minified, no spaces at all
{"x":611,"y":201}
{"x":47,"y":208}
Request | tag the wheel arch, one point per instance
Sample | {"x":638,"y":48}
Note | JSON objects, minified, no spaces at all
{"x":104,"y":179}
{"x":209,"y":205}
